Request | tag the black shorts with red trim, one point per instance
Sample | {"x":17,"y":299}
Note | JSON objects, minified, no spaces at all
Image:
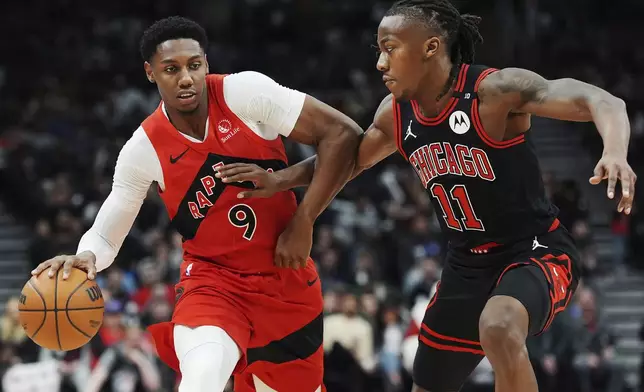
{"x":541,"y":273}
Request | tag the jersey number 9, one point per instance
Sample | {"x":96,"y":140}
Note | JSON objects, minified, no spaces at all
{"x":242,"y":216}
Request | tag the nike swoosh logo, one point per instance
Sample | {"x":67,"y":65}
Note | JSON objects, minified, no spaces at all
{"x":311,"y":282}
{"x":174,"y":160}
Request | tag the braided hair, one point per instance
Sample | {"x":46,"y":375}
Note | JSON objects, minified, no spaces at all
{"x":460,"y":31}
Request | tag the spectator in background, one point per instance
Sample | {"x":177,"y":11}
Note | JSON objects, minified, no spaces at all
{"x":348,"y":347}
{"x":41,"y":246}
{"x":421,"y":277}
{"x":16,"y":346}
{"x":390,"y":354}
{"x":595,"y":361}
{"x":569,"y":200}
{"x":129,"y":366}
{"x":551,"y":354}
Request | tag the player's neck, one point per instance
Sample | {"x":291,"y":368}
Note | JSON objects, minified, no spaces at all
{"x":434,"y":94}
{"x":191,"y":124}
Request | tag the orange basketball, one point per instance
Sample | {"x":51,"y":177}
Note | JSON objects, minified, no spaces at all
{"x":59,"y":314}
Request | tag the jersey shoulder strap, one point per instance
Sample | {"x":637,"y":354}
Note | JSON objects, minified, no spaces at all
{"x":473,"y":76}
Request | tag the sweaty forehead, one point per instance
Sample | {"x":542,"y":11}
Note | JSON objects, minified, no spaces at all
{"x":401,"y":28}
{"x":178,"y":50}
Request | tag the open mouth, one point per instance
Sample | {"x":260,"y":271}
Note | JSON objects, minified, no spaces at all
{"x":187,"y":98}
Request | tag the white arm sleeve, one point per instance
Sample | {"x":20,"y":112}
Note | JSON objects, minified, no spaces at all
{"x":136,"y":168}
{"x":269,"y":108}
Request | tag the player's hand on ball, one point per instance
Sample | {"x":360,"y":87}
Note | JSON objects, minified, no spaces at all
{"x":266,"y":183}
{"x":85,"y":261}
{"x":613,"y":168}
{"x":294,"y":244}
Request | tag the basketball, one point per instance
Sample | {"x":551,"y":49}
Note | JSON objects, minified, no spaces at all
{"x":59,"y":314}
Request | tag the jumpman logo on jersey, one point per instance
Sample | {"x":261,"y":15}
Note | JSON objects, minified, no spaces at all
{"x":189,"y":269}
{"x":409,"y":133}
{"x":536,"y":244}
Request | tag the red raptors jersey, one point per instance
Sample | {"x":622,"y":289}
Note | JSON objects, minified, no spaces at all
{"x":217,"y":226}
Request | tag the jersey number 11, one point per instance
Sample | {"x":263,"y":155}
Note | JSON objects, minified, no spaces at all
{"x":457,"y":196}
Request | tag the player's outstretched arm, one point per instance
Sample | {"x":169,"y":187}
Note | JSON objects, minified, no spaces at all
{"x":336,"y":138}
{"x":376,"y":144}
{"x":522,"y":91}
{"x":100,"y":244}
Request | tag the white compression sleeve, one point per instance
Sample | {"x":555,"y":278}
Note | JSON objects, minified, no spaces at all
{"x":136,"y":169}
{"x":207,"y":357}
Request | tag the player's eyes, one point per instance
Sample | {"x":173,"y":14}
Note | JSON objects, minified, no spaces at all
{"x":195,"y":65}
{"x":170,"y":69}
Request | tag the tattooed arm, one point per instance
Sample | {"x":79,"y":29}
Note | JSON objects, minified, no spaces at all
{"x":517,"y":90}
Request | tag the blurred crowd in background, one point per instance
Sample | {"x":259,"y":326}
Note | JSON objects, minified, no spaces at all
{"x":72,"y":90}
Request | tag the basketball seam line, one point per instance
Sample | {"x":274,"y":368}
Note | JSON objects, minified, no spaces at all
{"x":43,"y":304}
{"x":60,"y":310}
{"x":56,"y":310}
{"x":67,"y":310}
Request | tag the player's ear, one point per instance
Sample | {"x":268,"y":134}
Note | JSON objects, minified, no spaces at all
{"x":206,"y":64}
{"x":148,"y":71}
{"x":431,"y":46}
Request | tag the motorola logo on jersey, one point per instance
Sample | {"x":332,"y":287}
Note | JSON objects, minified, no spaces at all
{"x":441,"y":158}
{"x":459,"y":122}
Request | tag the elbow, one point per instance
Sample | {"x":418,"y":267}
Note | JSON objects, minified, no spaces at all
{"x":606,"y":102}
{"x":343,"y":138}
{"x":344,"y":131}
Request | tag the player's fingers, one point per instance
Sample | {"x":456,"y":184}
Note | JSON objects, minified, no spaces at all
{"x":260,"y":193}
{"x":55,"y":266}
{"x":303,"y":261}
{"x":223,"y":173}
{"x":239,"y":177}
{"x":613,"y":175}
{"x":622,"y":204}
{"x":279,"y":262}
{"x":625,"y":181}
{"x":599,"y":173}
{"x":626,"y":204}
{"x":629,"y":206}
{"x":231,"y":166}
{"x":91,"y":271}
{"x":67,"y":266}
{"x":41,"y":267}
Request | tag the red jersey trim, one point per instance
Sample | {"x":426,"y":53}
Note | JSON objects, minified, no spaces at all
{"x":398,"y":128}
{"x":218,"y":84}
{"x":433,"y":121}
{"x":478,"y":125}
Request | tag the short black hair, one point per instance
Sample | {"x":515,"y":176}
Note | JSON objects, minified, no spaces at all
{"x":461,"y":31}
{"x":173,"y":27}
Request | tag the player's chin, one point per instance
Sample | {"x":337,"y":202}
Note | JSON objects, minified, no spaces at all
{"x":396,"y":90}
{"x":188,"y":106}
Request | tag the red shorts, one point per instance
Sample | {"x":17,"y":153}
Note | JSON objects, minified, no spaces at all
{"x":275,"y":319}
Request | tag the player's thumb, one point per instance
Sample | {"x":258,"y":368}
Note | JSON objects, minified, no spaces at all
{"x":598,"y":175}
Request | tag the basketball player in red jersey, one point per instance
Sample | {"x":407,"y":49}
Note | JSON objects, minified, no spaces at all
{"x":237,"y":311}
{"x":465,"y":129}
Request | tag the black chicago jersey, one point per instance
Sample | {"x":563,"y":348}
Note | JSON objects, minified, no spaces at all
{"x":485,"y":192}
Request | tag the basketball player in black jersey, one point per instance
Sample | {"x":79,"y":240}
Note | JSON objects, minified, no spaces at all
{"x":465,"y":129}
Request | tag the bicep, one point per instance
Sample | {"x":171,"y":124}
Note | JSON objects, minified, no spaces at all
{"x":524,"y":91}
{"x":318,"y":120}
